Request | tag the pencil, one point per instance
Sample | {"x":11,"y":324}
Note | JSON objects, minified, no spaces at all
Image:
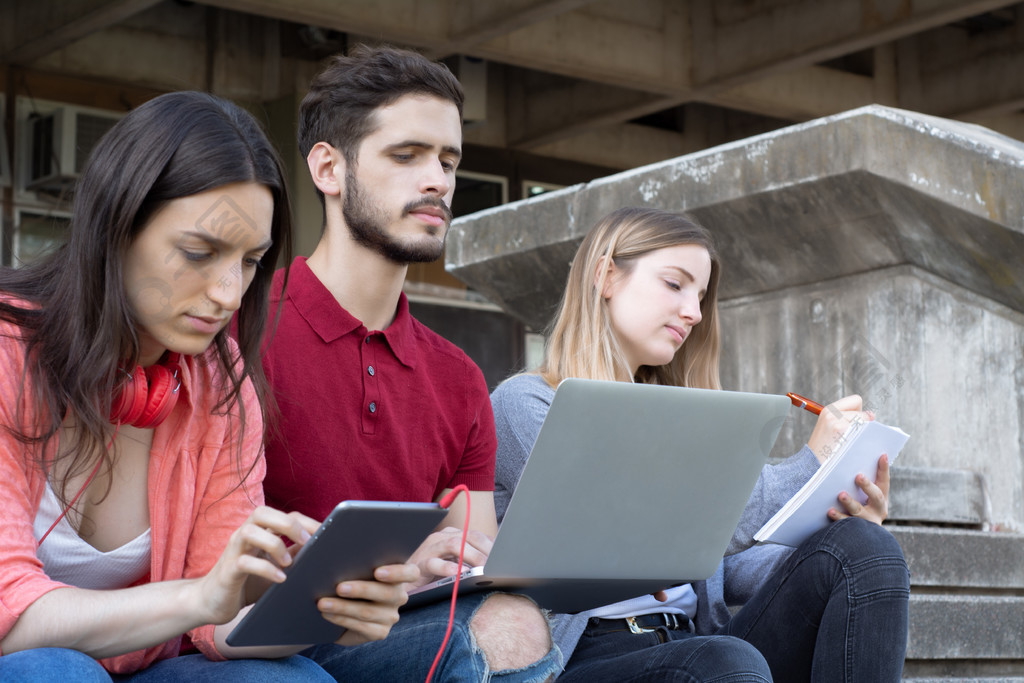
{"x":805,"y":403}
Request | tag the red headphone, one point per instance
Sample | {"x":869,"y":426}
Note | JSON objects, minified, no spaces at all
{"x":147,"y":397}
{"x":144,"y":400}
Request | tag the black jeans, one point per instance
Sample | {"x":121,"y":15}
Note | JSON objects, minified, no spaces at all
{"x":835,"y":611}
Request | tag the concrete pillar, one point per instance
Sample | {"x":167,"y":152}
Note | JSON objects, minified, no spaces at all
{"x":878,"y":251}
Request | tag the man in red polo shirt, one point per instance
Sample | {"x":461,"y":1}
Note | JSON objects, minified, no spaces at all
{"x":374,"y":405}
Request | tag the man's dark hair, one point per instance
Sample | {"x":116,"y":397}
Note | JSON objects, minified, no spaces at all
{"x":339,"y":106}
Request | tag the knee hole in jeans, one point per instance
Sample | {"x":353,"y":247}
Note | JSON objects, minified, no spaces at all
{"x":511,"y":631}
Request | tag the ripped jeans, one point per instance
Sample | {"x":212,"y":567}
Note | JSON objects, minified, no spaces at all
{"x":409,"y":650}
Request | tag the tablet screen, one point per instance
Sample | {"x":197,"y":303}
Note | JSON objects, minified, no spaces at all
{"x":356,"y":538}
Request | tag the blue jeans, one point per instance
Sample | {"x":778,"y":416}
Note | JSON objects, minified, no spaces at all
{"x":835,"y":610}
{"x":409,"y":650}
{"x":58,"y":664}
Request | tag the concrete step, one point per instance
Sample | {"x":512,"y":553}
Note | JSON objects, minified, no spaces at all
{"x":966,"y":604}
{"x":966,"y":627}
{"x":962,"y":559}
{"x":932,"y":495}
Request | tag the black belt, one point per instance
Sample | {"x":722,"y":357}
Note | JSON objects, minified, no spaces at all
{"x":645,"y":623}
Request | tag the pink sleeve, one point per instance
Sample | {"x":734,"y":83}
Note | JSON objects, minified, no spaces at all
{"x":22,"y":580}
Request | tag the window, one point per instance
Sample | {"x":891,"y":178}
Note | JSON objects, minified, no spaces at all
{"x":36,"y":233}
{"x":534,"y":355}
{"x":478,"y":191}
{"x":532,"y":188}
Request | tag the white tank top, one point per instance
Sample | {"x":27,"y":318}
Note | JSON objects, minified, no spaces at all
{"x":69,"y":559}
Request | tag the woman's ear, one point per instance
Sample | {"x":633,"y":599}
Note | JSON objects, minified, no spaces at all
{"x":604,"y":276}
{"x":326,"y":168}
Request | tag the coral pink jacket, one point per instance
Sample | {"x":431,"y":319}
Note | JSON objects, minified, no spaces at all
{"x":196,"y":499}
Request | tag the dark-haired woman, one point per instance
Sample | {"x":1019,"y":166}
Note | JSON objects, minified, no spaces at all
{"x":132,"y":425}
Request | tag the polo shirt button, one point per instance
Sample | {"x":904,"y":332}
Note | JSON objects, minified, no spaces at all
{"x":373,"y":406}
{"x":370,"y":370}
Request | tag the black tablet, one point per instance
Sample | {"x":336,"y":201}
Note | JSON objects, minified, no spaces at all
{"x":357,"y":537}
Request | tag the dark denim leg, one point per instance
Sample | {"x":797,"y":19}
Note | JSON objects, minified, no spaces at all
{"x":676,"y":656}
{"x":835,"y":611}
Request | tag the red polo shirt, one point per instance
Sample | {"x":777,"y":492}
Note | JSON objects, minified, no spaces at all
{"x":368,"y":415}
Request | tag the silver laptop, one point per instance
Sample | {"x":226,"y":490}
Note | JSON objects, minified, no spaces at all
{"x":629,"y":489}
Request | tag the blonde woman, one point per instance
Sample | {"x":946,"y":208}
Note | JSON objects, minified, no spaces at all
{"x":641,"y":306}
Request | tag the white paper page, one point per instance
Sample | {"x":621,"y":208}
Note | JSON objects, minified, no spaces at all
{"x":808,"y":510}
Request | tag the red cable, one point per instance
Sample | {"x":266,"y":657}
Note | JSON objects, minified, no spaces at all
{"x":447,"y":501}
{"x":81,"y":490}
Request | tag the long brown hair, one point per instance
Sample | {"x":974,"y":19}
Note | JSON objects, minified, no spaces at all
{"x":78,"y":326}
{"x":581,"y":342}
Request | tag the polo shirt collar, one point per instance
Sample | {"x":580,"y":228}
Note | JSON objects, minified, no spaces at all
{"x":400,"y":334}
{"x":315,"y":303}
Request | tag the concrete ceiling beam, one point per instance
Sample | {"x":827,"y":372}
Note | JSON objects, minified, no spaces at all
{"x":640,"y":44}
{"x":475,"y":22}
{"x":1011,"y":125}
{"x":57,"y":23}
{"x":955,"y":73}
{"x":799,"y":95}
{"x":564,"y":107}
{"x":419,"y":23}
{"x":621,"y":146}
{"x":756,"y":59}
{"x":735,"y":42}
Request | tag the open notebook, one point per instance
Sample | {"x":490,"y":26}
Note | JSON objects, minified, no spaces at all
{"x":858,"y":452}
{"x":629,"y":489}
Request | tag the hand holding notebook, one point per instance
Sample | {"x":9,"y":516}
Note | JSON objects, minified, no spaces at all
{"x":858,"y":452}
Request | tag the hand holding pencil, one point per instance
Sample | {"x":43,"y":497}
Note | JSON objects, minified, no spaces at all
{"x":805,"y":403}
{"x":833,"y":421}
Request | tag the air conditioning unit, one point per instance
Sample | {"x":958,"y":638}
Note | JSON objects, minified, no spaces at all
{"x":59,"y":143}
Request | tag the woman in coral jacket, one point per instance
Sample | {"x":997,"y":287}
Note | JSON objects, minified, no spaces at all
{"x":131,"y":456}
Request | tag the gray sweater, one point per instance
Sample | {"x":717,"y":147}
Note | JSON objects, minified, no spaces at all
{"x":520,"y":405}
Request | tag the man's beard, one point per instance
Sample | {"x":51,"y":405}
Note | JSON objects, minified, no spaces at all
{"x":367,"y":224}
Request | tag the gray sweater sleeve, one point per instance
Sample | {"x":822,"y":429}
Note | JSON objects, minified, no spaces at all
{"x":776,"y":484}
{"x":520,"y":404}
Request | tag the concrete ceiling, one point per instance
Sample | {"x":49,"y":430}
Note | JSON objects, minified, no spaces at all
{"x":609,"y":82}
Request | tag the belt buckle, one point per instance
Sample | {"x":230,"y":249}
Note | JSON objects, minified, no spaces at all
{"x":635,"y":627}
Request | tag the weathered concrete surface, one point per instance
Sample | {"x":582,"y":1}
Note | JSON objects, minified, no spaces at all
{"x":966,"y":627}
{"x":964,"y":500}
{"x":962,"y":559}
{"x":937,"y":360}
{"x":845,"y":194}
{"x":879,"y":252}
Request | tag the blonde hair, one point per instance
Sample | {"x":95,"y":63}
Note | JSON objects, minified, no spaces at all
{"x":581,"y":342}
